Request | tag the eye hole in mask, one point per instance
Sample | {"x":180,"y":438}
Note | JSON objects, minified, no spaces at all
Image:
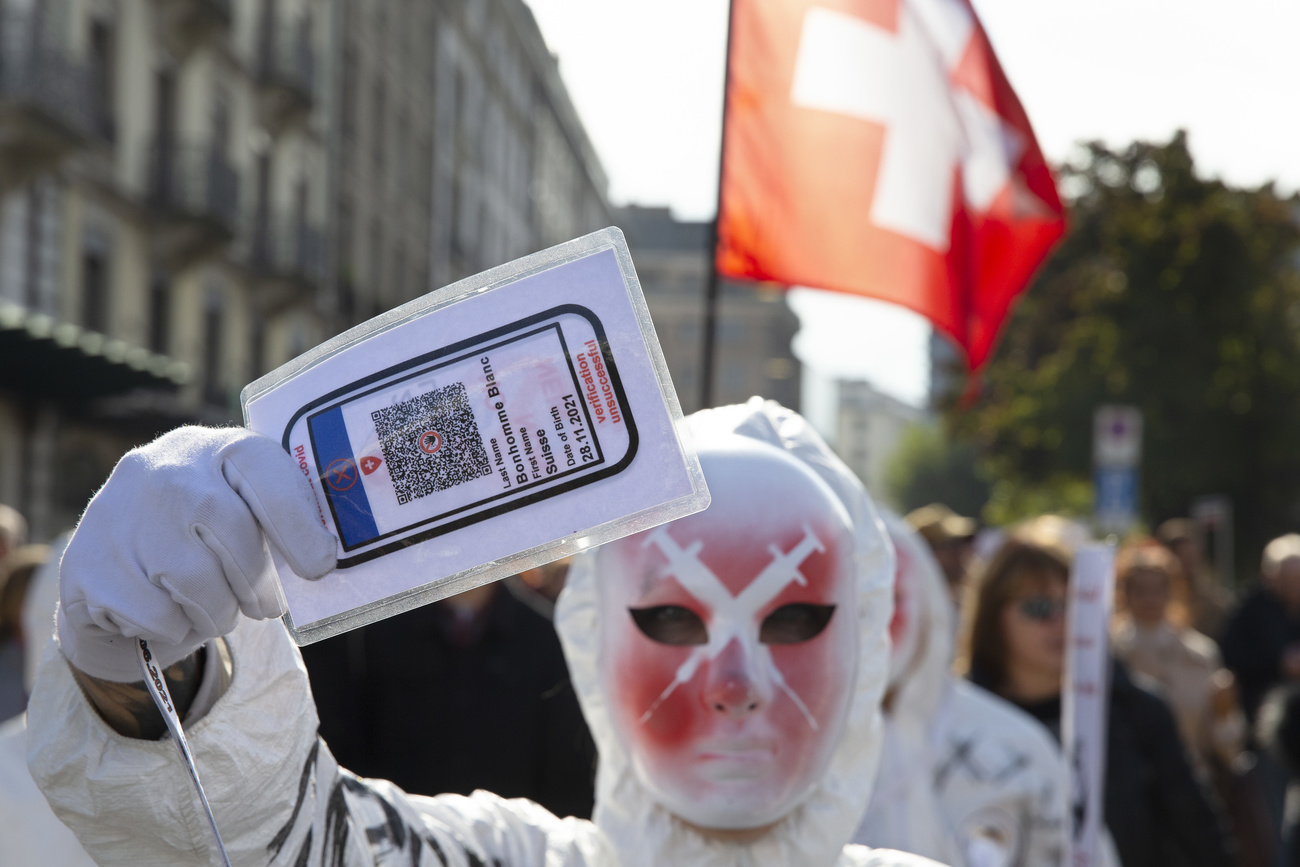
{"x":791,"y":624}
{"x":670,"y":624}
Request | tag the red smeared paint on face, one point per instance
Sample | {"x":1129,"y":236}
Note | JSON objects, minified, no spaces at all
{"x":727,"y":733}
{"x":650,"y":667}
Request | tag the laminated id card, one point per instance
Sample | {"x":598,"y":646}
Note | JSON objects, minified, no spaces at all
{"x":507,"y":420}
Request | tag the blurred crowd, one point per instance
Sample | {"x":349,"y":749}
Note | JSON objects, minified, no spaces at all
{"x":1203,"y":733}
{"x":1201,"y":739}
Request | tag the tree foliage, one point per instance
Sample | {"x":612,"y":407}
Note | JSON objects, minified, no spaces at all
{"x":1174,"y":293}
{"x":929,"y":468}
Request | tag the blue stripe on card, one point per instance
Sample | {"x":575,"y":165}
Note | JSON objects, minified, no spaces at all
{"x":341,"y":478}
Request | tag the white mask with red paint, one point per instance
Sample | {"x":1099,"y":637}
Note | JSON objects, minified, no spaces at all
{"x":730,"y":664}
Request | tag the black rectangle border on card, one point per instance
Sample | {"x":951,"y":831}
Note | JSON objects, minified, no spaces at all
{"x":559,"y":333}
{"x":348,"y":392}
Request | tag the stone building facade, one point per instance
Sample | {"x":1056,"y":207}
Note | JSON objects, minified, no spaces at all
{"x":458,"y":148}
{"x":161,"y":223}
{"x":192,"y":192}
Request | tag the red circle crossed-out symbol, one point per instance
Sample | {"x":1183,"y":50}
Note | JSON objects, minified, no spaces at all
{"x":430,"y":442}
{"x":341,"y":474}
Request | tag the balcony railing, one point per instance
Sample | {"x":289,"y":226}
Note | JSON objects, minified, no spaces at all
{"x":285,"y":59}
{"x":288,"y":248}
{"x":41,"y":77}
{"x":193,"y":180}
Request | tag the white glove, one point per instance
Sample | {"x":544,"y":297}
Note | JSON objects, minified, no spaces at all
{"x":171,"y":549}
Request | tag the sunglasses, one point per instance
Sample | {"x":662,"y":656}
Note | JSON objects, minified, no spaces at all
{"x":1041,"y":608}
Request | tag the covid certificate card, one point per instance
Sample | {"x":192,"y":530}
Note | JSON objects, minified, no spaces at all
{"x":510,"y":419}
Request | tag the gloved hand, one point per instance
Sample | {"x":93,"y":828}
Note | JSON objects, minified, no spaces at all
{"x":173,"y":547}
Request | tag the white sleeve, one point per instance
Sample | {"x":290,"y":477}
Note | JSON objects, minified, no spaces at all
{"x":277,"y":793}
{"x":861,"y":856}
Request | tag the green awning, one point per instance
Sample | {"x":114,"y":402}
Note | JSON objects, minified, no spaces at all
{"x":43,"y":357}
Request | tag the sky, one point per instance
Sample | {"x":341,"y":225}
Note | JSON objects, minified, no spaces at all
{"x":647,"y":81}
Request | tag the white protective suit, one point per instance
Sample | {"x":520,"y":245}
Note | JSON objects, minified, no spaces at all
{"x":993,"y":792}
{"x":280,"y":798}
{"x":30,"y":834}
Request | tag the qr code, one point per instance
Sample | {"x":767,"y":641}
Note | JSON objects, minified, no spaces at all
{"x":431,"y":442}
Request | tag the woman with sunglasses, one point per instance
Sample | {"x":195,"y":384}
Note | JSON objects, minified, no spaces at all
{"x":1013,"y":644}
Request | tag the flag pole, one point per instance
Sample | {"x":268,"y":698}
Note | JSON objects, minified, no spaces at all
{"x":711,"y":289}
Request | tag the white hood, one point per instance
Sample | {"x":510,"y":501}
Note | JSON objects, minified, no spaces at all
{"x":967,"y":778}
{"x":905,"y":812}
{"x":917,"y":682}
{"x":641,"y":830}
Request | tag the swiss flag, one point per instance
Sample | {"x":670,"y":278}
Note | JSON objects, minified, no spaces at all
{"x":875,"y":147}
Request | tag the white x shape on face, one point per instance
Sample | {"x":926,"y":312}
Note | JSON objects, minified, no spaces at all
{"x":734,"y":617}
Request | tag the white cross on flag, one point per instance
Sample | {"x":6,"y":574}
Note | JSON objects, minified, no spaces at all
{"x":875,"y":147}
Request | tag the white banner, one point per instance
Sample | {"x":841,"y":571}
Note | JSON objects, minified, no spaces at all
{"x":1086,"y":697}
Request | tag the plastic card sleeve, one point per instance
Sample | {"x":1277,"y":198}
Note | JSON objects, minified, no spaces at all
{"x":510,"y":419}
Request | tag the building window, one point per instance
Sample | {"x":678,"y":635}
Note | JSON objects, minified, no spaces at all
{"x":398,"y":277}
{"x":257,"y":345}
{"x":94,"y":283}
{"x":221,"y":129}
{"x":160,"y":312}
{"x":32,"y":248}
{"x":378,"y":138}
{"x":347,"y":300}
{"x":349,"y":119}
{"x":469,"y":101}
{"x":101,"y":78}
{"x":302,"y":246}
{"x":262,"y":208}
{"x":376,"y":258}
{"x":213,"y":317}
{"x":424,"y":171}
{"x":403,"y":162}
{"x":345,"y":240}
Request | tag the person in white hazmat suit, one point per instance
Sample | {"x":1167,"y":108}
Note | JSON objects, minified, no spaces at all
{"x":30,"y":834}
{"x":730,"y":664}
{"x":966,"y":777}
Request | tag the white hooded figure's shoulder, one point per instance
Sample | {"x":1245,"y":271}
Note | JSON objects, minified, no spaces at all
{"x":975,"y":710}
{"x":862,"y":856}
{"x":997,"y":767}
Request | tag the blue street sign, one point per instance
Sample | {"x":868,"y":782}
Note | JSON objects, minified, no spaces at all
{"x":1116,"y":489}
